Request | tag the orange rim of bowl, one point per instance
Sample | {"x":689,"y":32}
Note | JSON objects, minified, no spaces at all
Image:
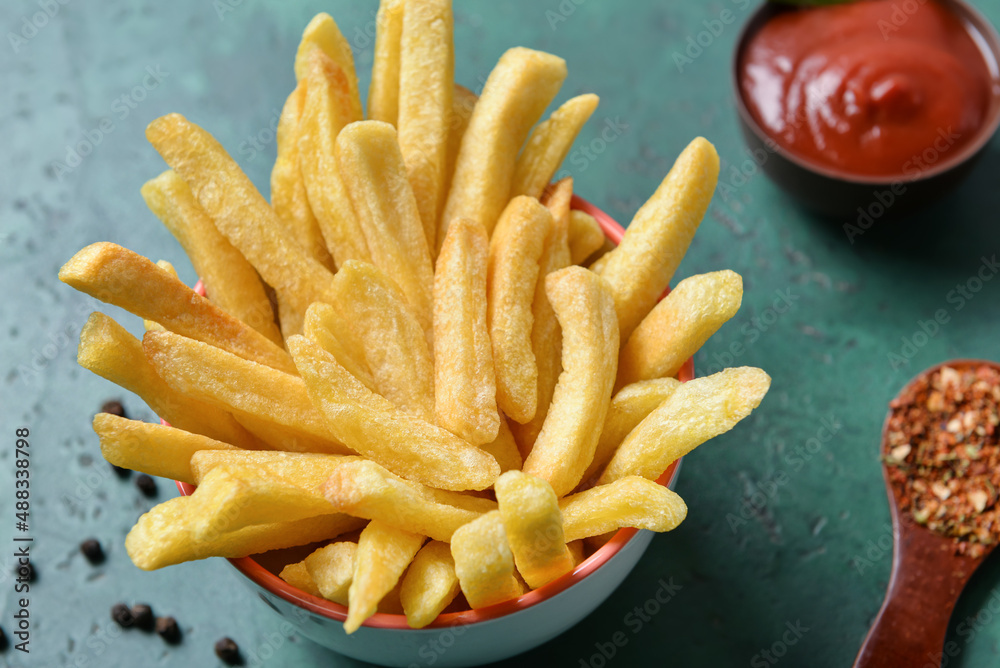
{"x":320,"y":606}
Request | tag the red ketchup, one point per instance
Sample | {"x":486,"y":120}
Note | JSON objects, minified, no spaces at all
{"x":871,"y":88}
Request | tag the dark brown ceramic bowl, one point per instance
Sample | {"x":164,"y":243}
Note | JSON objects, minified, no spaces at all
{"x":845,"y":196}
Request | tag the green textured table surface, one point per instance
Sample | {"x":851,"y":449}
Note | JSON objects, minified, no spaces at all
{"x":785,"y":549}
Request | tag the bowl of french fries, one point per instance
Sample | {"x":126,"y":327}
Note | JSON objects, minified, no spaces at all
{"x":428,"y":402}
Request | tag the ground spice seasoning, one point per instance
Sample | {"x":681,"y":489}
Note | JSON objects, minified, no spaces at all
{"x":942,"y":454}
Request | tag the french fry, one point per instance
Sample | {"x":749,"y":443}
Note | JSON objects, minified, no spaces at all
{"x":696,"y":411}
{"x":518,"y":90}
{"x":108,"y":350}
{"x":322,"y":32}
{"x":512,"y":275}
{"x":430,"y":584}
{"x":169,"y":268}
{"x":534,"y":527}
{"x":679,"y":325}
{"x":628,"y":408}
{"x":504,"y":448}
{"x":640,"y":269}
{"x":463,"y":101}
{"x":231,"y":283}
{"x":577,"y":550}
{"x":585,"y":236}
{"x":328,"y":108}
{"x":383,"y":554}
{"x":298,"y":576}
{"x":332,"y":569}
{"x":383,"y":93}
{"x":630,"y":501}
{"x":546,"y":336}
{"x":483,"y":562}
{"x":549,"y":144}
{"x":325,"y":325}
{"x":240,"y":496}
{"x":375,"y":177}
{"x":307,"y":470}
{"x":464,"y":384}
{"x":566,"y":444}
{"x":365,"y":489}
{"x":371,"y":425}
{"x":426,"y":84}
{"x":377,"y":315}
{"x":239,"y":211}
{"x":164,"y":537}
{"x":237,"y":385}
{"x":152,"y":448}
{"x":126,"y":279}
{"x":289,"y":197}
{"x":557,"y":198}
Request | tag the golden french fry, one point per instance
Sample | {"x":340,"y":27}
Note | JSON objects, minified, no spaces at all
{"x":577,"y":550}
{"x":557,"y":198}
{"x":483,"y":561}
{"x":307,"y":470}
{"x":696,"y":411}
{"x":239,"y":211}
{"x":243,"y":387}
{"x":327,"y":110}
{"x":231,"y":283}
{"x":164,"y":535}
{"x":430,"y":584}
{"x":375,"y":177}
{"x":332,"y":569}
{"x":549,"y":144}
{"x":298,"y":576}
{"x":630,"y":501}
{"x":126,"y":279}
{"x":504,"y":448}
{"x":566,"y":444}
{"x":169,"y":268}
{"x":463,"y":102}
{"x":516,"y":93}
{"x":512,"y":275}
{"x":364,"y":489}
{"x":289,"y":197}
{"x":546,"y":336}
{"x":640,"y":269}
{"x":383,"y":554}
{"x":238,"y":496}
{"x":426,"y":84}
{"x":323,"y":32}
{"x":585,"y":236}
{"x":371,"y":425}
{"x":325,"y":325}
{"x":377,"y":315}
{"x":383,"y":93}
{"x":628,"y":408}
{"x":464,"y":382}
{"x":679,"y":325}
{"x":108,"y":350}
{"x":152,"y":448}
{"x":534,"y":527}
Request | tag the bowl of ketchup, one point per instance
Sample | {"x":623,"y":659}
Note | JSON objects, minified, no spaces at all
{"x":867,"y":109}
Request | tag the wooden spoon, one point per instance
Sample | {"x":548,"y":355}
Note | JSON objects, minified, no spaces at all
{"x":926,"y":580}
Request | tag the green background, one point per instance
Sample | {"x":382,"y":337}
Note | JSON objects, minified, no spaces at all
{"x":753,"y":556}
